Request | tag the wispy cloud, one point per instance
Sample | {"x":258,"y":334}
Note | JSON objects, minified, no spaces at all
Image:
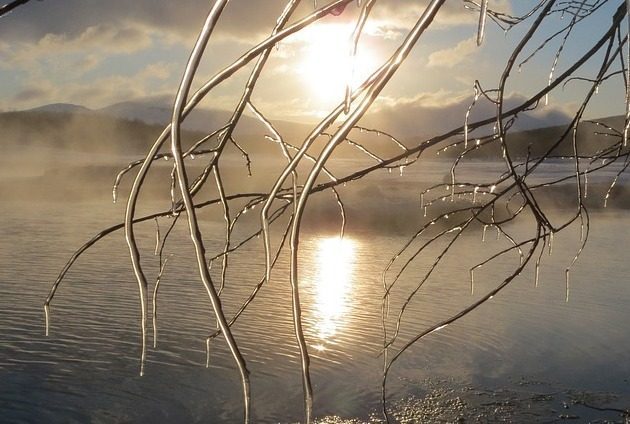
{"x":453,"y":56}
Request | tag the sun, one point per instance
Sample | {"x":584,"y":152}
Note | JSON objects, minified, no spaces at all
{"x":326,"y":65}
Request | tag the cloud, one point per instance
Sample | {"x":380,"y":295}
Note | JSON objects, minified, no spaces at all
{"x":152,"y":80}
{"x":35,"y":93}
{"x":430,"y":114}
{"x":402,"y":14}
{"x":241,"y":19}
{"x":453,"y":56}
{"x":102,"y":39}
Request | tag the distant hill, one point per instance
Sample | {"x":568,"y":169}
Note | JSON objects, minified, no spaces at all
{"x":78,"y":131}
{"x":157,"y":113}
{"x":61,"y":108}
{"x":590,"y":138}
{"x":131,"y":127}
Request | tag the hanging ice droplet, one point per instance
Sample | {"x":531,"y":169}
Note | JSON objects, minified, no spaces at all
{"x":482,"y":21}
{"x":166,"y":158}
{"x":401,"y":169}
{"x":493,"y":188}
{"x":389,"y":170}
{"x":585,"y":185}
{"x":566,"y":274}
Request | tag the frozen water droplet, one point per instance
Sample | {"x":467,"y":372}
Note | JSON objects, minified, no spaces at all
{"x":482,"y":21}
{"x":566,"y":274}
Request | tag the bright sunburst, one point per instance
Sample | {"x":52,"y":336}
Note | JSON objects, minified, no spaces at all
{"x":326,"y":66}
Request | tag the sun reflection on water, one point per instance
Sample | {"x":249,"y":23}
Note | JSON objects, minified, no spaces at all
{"x":333,"y":286}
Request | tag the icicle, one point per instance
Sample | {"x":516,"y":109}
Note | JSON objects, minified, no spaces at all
{"x":482,"y":21}
{"x":472,"y":281}
{"x":157,"y":238}
{"x":498,"y":233}
{"x":47,"y":317}
{"x":389,"y":170}
{"x":422,"y":200}
{"x":314,"y":4}
{"x":585,"y":185}
{"x":208,"y":352}
{"x":608,"y":192}
{"x":425,"y":211}
{"x":537,"y":273}
{"x":550,"y":243}
{"x":115,"y":194}
{"x":466,"y":130}
{"x":401,"y":169}
{"x":452,"y":185}
{"x":483,"y":233}
{"x":475,"y":194}
{"x":566,"y":274}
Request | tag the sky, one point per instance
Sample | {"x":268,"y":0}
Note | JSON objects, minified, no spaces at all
{"x":96,"y":53}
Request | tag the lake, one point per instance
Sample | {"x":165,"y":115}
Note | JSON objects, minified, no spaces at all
{"x":527,"y":355}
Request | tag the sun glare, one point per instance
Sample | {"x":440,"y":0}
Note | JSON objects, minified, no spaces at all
{"x":334,"y":283}
{"x":326,"y":65}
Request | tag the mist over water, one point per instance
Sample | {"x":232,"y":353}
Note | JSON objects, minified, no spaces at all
{"x":525,"y":342}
